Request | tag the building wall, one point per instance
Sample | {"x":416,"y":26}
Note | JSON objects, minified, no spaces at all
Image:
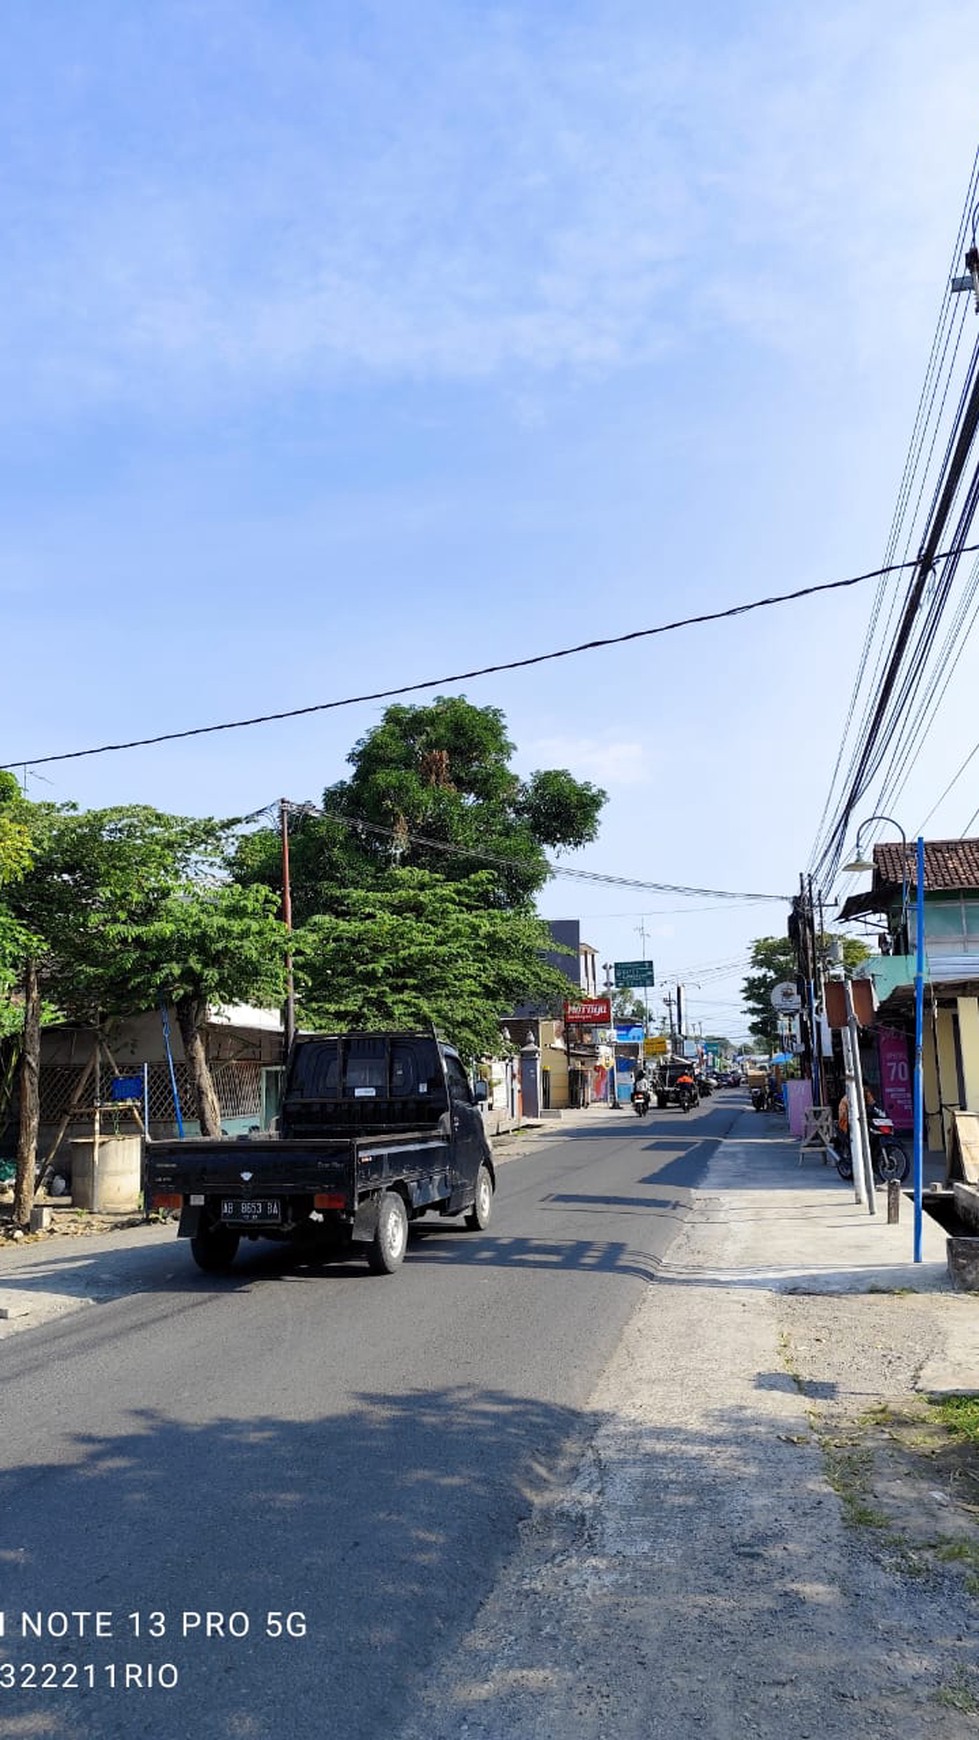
{"x":968,"y":1012}
{"x":945,"y":1047}
{"x":554,"y":1058}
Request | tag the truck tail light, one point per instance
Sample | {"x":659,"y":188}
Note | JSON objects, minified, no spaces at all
{"x":330,"y":1199}
{"x":161,"y":1199}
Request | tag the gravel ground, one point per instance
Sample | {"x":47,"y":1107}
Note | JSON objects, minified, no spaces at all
{"x":734,"y":1551}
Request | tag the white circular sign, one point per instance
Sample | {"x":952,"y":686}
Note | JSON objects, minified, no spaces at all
{"x":786,"y":999}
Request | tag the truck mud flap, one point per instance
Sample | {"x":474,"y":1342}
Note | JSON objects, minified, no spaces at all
{"x":365,"y":1220}
{"x":189,"y":1222}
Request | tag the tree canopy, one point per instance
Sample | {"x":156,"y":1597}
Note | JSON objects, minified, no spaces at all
{"x":118,"y":910}
{"x":412,"y":886}
{"x":431,"y":789}
{"x":424,"y":949}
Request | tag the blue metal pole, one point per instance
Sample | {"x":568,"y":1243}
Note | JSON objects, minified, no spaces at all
{"x":919,"y":1028}
{"x":165,"y":1022}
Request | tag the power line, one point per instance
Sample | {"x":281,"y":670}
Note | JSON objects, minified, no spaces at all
{"x":481,"y":671}
{"x":355,"y":824}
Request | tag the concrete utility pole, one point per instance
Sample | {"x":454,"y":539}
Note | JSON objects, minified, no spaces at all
{"x":863,"y":1166}
{"x":641,"y":930}
{"x":290,"y":1009}
{"x":608,"y":968}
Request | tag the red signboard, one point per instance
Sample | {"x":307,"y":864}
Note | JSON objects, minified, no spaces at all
{"x":590,"y":1012}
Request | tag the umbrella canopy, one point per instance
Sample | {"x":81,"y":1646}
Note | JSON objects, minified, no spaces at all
{"x":783,"y":1057}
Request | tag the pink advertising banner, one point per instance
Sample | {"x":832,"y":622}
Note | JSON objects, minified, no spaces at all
{"x":895,"y":1078}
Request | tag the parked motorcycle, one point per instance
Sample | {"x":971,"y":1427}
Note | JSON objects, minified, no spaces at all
{"x":890,"y":1159}
{"x":767,"y":1099}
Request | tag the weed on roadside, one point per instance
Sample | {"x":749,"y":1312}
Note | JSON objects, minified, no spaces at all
{"x":897,"y":1467}
{"x":958,"y":1694}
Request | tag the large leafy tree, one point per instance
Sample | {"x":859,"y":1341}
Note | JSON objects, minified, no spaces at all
{"x":420,"y":949}
{"x":122,"y":908}
{"x":431,"y":788}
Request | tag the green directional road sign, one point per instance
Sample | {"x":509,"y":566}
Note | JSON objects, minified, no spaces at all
{"x":634,"y":975}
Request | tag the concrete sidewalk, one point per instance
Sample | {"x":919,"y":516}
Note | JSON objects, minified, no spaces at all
{"x":786,"y":1221}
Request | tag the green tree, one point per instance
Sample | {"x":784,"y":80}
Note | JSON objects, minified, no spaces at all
{"x":421,"y":949}
{"x":15,"y":838}
{"x":203,"y":946}
{"x":122,"y":908}
{"x":15,"y":861}
{"x":431,"y":789}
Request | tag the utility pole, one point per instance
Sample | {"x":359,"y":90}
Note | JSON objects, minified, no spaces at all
{"x":641,"y":931}
{"x":290,"y":1009}
{"x":668,"y":1000}
{"x":608,"y":968}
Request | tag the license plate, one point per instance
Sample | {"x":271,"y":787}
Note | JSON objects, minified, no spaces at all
{"x":248,"y":1208}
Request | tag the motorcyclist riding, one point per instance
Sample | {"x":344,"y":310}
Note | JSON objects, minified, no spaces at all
{"x":686,"y":1091}
{"x":640,"y":1091}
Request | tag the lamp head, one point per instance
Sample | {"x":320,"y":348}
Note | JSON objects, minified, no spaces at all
{"x":857,"y":864}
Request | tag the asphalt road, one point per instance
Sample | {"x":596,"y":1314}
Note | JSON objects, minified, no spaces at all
{"x":354,"y":1450}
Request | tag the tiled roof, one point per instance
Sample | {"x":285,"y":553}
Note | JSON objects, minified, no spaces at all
{"x":949,"y":864}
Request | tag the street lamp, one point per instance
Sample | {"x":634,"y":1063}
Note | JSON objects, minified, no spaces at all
{"x":857,"y":863}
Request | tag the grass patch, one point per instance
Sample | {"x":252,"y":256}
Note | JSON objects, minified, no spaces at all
{"x":960,"y":1414}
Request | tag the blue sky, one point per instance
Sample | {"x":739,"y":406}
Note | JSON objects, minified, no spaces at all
{"x":346,"y":345}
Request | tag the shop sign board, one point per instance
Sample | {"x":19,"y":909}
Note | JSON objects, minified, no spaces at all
{"x":589,"y":1012}
{"x":628,"y":1032}
{"x":786,"y":998}
{"x":656,"y":1046}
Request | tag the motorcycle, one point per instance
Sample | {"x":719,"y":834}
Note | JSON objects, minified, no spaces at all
{"x":685,"y":1097}
{"x":890,"y":1159}
{"x":640,"y":1101}
{"x":767,"y":1099}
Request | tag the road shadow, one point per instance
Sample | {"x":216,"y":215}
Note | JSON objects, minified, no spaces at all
{"x":377,"y":1535}
{"x":382,"y":1525}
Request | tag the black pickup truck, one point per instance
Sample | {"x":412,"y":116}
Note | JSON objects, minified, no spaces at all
{"x":374,"y":1130}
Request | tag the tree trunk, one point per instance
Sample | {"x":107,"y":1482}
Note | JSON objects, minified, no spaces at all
{"x":30,"y":1099}
{"x":191,"y":1017}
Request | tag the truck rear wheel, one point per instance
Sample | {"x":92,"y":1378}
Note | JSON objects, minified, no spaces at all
{"x":479,"y":1215}
{"x":386,"y":1251}
{"x":213,"y":1248}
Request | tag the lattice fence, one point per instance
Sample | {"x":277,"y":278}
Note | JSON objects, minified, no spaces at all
{"x":238,"y":1084}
